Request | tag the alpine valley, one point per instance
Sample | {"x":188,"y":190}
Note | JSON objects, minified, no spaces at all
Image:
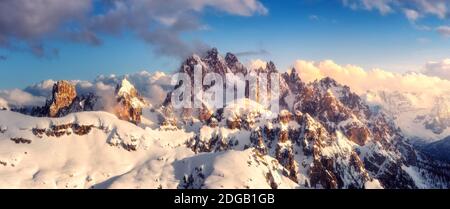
{"x":123,"y":132}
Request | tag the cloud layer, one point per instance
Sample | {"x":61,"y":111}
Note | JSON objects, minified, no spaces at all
{"x":439,"y":69}
{"x":361,"y":81}
{"x":414,"y":8}
{"x":444,"y":30}
{"x":152,"y":86}
{"x":158,"y":22}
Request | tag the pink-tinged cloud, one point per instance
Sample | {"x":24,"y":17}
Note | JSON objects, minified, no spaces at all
{"x":157,"y":22}
{"x":361,"y":80}
{"x":444,"y":31}
{"x":439,"y":69}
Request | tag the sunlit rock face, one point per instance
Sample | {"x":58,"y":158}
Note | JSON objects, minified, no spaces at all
{"x":64,"y":99}
{"x":63,"y":95}
{"x":129,"y":102}
{"x":326,"y":136}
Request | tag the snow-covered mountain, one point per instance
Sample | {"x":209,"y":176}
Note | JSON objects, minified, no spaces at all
{"x":97,"y":150}
{"x":421,"y":116}
{"x":326,"y":136}
{"x":439,"y":149}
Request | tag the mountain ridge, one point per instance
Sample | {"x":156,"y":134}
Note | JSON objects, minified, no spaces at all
{"x":325,"y":136}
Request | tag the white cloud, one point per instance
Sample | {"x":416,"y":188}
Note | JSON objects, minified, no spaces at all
{"x":238,"y":7}
{"x":439,"y":69}
{"x":444,"y":30}
{"x":361,"y":81}
{"x":313,"y":17}
{"x":423,"y":40}
{"x":43,"y":88}
{"x":152,"y":86}
{"x":411,"y":14}
{"x":157,"y":22}
{"x":19,"y":98}
{"x":3,"y":104}
{"x":438,"y":8}
{"x":412,"y":9}
{"x":28,"y":20}
{"x":383,"y":6}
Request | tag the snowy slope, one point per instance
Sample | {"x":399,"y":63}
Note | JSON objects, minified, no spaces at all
{"x":326,"y":137}
{"x":98,"y":159}
{"x":425,"y":118}
{"x":439,"y":149}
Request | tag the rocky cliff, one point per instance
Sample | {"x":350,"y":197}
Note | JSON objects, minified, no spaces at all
{"x":129,"y":103}
{"x":327,"y":137}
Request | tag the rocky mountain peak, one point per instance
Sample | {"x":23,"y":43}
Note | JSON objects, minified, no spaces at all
{"x":213,"y":62}
{"x":63,"y":95}
{"x":328,"y":82}
{"x":212,"y":54}
{"x":340,"y":142}
{"x":231,"y":59}
{"x":292,"y":81}
{"x":63,"y":101}
{"x":129,"y":103}
{"x":125,"y":88}
{"x":234,"y":65}
{"x":294,"y":75}
{"x":271,"y":67}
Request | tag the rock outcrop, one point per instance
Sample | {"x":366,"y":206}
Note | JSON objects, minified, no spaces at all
{"x":129,"y":102}
{"x":326,"y":138}
{"x":64,"y":94}
{"x":64,"y":100}
{"x":126,"y":103}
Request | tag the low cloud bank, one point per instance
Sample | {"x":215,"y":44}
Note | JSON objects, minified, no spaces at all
{"x":361,"y":80}
{"x":152,"y":86}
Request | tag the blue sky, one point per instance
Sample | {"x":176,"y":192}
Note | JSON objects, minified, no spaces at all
{"x":294,"y":29}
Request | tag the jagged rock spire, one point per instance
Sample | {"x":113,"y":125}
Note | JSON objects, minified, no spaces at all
{"x":231,"y":59}
{"x":212,"y":53}
{"x":129,"y":102}
{"x":62,"y":97}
